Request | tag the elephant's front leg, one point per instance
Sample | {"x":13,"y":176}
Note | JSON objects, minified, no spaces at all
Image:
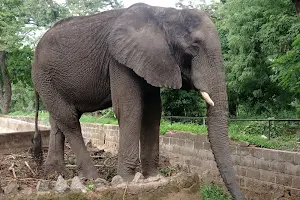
{"x":126,"y":89}
{"x":150,"y":132}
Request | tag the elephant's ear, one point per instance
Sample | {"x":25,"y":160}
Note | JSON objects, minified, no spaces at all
{"x":138,"y":41}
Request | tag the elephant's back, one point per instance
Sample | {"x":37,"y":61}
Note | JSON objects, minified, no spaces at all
{"x":74,"y":54}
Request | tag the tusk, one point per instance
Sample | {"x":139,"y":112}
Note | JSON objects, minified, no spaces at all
{"x":207,"y":98}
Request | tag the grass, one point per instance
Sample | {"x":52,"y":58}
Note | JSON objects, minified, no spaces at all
{"x":241,"y":131}
{"x":213,"y":192}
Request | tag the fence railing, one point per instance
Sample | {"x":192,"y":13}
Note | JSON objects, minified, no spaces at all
{"x":202,"y":120}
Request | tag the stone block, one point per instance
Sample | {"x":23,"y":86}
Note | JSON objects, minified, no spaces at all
{"x":267,"y":176}
{"x":278,"y":166}
{"x":253,"y":173}
{"x":261,"y":164}
{"x":297,"y":158}
{"x":285,"y":156}
{"x":243,"y":151}
{"x":206,"y":146}
{"x":257,"y":152}
{"x":189,"y":144}
{"x":296,"y":182}
{"x":247,"y":161}
{"x":236,"y":159}
{"x":233,"y":149}
{"x":198,"y":145}
{"x":166,"y":140}
{"x":292,"y":169}
{"x":283,"y":179}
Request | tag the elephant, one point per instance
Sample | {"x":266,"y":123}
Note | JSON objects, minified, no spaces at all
{"x":121,"y":58}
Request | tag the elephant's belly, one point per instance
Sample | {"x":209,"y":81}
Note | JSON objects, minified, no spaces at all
{"x":87,"y":94}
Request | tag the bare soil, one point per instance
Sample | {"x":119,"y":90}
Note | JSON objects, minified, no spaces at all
{"x":18,"y":166}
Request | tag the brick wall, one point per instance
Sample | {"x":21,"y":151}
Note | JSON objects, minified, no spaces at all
{"x":262,"y":173}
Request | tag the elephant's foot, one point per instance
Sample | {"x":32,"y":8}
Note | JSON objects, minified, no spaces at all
{"x":88,"y":171}
{"x":149,"y":172}
{"x":53,"y":168}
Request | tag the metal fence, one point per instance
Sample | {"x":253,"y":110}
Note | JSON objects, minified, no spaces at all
{"x":202,"y":121}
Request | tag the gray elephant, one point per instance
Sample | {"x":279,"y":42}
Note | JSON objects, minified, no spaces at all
{"x":121,"y":58}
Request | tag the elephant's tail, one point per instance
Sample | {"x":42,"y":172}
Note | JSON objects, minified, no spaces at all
{"x":36,"y":149}
{"x":37,"y":107}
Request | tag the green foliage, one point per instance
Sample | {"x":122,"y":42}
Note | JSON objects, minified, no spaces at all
{"x":85,"y":7}
{"x":283,"y":135}
{"x":11,"y":21}
{"x":213,"y":192}
{"x":287,"y":68}
{"x":22,"y":97}
{"x":189,"y":127}
{"x":19,"y":62}
{"x":257,"y":33}
{"x":182,"y":103}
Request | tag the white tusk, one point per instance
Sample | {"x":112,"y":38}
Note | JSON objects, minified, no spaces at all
{"x":207,"y":98}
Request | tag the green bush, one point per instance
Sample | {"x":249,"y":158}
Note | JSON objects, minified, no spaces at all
{"x":213,"y":192}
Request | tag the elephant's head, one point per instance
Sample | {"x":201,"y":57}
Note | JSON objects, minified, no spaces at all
{"x":174,"y":48}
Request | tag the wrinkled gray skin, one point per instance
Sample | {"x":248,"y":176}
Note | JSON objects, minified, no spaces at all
{"x":121,"y":58}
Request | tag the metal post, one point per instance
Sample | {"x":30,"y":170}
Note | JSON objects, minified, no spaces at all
{"x":203,"y":121}
{"x":269,"y":136}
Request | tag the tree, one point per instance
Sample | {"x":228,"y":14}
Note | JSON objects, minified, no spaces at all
{"x":85,"y":7}
{"x":11,"y":21}
{"x":258,"y":33}
{"x":297,"y":5}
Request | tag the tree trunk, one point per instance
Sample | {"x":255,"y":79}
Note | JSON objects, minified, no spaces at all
{"x":6,"y":98}
{"x":297,"y":5}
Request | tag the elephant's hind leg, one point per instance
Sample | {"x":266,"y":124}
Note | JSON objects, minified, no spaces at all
{"x":66,"y":118}
{"x":55,"y":158}
{"x":150,"y":132}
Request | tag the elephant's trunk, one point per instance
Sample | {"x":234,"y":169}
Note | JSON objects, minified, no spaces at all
{"x":219,"y":141}
{"x":209,"y":77}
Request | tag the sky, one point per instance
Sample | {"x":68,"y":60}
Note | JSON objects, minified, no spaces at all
{"x":163,"y":3}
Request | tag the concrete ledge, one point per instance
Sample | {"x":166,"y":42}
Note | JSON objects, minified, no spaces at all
{"x":18,"y":125}
{"x":21,"y":139}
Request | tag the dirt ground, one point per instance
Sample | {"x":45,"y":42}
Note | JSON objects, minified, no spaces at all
{"x":17,"y":165}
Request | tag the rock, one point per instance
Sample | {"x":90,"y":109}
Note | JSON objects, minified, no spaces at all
{"x":138,"y":178}
{"x":12,"y":187}
{"x":61,"y":185}
{"x":244,"y":144}
{"x":27,"y":191}
{"x":77,"y":185}
{"x":43,"y":186}
{"x":156,"y":178}
{"x":100,"y":182}
{"x":116,"y":180}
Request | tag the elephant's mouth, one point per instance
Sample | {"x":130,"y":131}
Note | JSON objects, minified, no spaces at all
{"x":207,"y":98}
